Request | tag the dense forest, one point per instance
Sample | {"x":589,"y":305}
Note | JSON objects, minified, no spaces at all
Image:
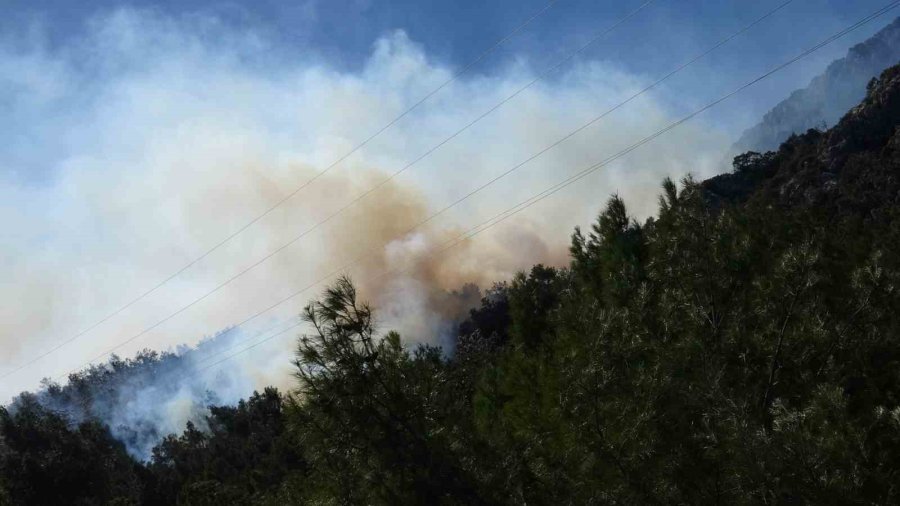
{"x":740,"y":347}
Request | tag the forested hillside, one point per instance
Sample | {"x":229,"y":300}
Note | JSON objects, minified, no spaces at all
{"x":740,"y":347}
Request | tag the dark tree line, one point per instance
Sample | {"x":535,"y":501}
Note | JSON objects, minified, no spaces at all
{"x":741,"y":347}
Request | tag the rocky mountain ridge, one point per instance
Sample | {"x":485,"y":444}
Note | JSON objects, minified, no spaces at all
{"x":851,"y":168}
{"x":828,"y":96}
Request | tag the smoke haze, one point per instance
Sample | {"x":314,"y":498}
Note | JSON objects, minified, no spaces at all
{"x":125,"y":172}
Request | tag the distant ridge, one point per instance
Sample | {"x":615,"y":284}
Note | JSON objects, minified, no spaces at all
{"x":848,"y":172}
{"x":828,"y":96}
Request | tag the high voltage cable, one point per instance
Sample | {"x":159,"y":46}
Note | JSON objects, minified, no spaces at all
{"x":207,"y":357}
{"x":467,"y":126}
{"x":369,"y":191}
{"x":471,"y":193}
{"x":374,"y":188}
{"x":534,"y":199}
{"x":579,"y":129}
{"x":294,"y":192}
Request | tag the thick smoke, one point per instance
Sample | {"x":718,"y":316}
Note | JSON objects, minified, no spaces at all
{"x":152,"y":395}
{"x":153,"y":138}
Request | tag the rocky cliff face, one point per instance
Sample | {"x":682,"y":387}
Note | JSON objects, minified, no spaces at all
{"x":828,"y":96}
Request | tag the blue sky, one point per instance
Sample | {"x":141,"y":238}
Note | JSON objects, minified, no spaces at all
{"x":342,"y":33}
{"x":137,"y":135}
{"x":456,"y":31}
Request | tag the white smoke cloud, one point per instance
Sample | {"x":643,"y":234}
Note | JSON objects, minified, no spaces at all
{"x":152,"y":138}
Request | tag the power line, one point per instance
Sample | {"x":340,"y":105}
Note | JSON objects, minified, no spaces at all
{"x":476,"y":120}
{"x":294,"y":323}
{"x":254,"y":345}
{"x":509,"y":212}
{"x":492,"y":181}
{"x":534,"y":199}
{"x":294,"y":192}
{"x":376,"y":187}
{"x":572,"y":179}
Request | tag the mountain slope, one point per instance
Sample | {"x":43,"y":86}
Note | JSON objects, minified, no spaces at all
{"x":828,"y":96}
{"x":849,"y":170}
